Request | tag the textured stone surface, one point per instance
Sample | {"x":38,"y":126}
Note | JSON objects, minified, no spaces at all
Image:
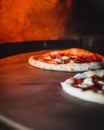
{"x":34,"y":98}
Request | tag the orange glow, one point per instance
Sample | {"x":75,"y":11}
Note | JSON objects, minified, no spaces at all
{"x":26,"y":20}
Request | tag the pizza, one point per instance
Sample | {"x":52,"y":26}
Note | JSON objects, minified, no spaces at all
{"x":71,"y":60}
{"x":88,"y":86}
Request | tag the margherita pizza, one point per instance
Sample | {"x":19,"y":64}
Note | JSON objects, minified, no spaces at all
{"x":88,"y":86}
{"x":72,"y":60}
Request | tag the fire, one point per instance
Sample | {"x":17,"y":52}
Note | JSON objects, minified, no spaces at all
{"x":26,"y":20}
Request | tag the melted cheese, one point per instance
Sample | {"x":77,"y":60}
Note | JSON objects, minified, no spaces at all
{"x":88,"y":81}
{"x":99,"y":73}
{"x":48,"y":58}
{"x":58,"y":60}
{"x":65,"y":58}
{"x":101,"y":82}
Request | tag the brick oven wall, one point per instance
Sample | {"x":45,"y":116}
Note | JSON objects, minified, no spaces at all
{"x":29,"y":20}
{"x":26,"y":20}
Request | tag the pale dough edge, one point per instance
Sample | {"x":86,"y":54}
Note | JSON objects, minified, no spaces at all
{"x":74,"y":67}
{"x":86,"y":95}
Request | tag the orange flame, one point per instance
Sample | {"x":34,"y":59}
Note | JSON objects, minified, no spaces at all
{"x":26,"y":20}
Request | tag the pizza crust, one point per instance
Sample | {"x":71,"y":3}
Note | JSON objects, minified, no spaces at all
{"x":65,"y":67}
{"x":36,"y":61}
{"x":80,"y":52}
{"x":88,"y":95}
